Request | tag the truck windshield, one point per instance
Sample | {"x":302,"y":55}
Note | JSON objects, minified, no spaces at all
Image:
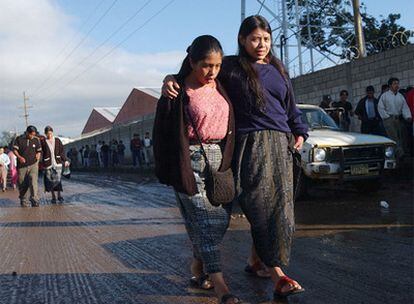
{"x":318,"y":119}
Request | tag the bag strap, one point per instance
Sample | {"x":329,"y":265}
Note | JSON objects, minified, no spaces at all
{"x":196,"y":133}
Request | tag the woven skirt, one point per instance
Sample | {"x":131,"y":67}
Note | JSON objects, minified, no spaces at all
{"x":205,"y":223}
{"x":53,"y":179}
{"x":264,"y":179}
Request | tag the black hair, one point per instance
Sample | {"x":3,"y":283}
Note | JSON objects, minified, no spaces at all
{"x":199,"y":49}
{"x":370,"y":88}
{"x":344,"y":91}
{"x":48,"y":129}
{"x":326,"y":98}
{"x":385,"y":87}
{"x":392,"y":79}
{"x":246,"y":28}
{"x":31,"y":129}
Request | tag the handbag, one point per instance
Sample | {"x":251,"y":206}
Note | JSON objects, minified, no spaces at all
{"x":297,"y":165}
{"x":66,"y":172}
{"x":219,"y":186}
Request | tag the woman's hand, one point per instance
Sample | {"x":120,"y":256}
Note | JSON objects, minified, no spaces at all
{"x":67,"y":164}
{"x":22,"y":160}
{"x":299,"y":142}
{"x":170,"y":87}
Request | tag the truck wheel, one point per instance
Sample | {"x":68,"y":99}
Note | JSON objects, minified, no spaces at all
{"x":368,"y":186}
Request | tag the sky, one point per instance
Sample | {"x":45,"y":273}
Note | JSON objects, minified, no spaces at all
{"x":72,"y":55}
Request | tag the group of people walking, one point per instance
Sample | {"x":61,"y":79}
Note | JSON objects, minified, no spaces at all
{"x":28,"y":152}
{"x":234,"y":112}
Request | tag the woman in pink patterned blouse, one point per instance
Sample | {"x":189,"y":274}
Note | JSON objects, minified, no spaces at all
{"x":179,"y":161}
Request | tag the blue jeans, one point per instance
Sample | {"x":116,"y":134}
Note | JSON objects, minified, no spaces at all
{"x":136,"y":158}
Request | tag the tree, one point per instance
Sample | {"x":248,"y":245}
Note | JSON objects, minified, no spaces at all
{"x":7,"y":137}
{"x":332,"y":27}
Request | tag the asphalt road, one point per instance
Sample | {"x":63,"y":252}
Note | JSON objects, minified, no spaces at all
{"x":115,"y":240}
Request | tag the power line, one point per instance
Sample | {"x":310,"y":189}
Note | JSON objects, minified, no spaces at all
{"x":110,"y":51}
{"x":78,"y":45}
{"x":102,"y":44}
{"x":69,"y":43}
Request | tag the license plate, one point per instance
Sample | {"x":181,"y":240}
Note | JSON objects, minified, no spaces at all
{"x":360,"y":169}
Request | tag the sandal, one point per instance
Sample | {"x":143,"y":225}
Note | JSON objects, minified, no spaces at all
{"x":229,"y":296}
{"x":257,"y":270}
{"x":283,"y":281}
{"x":202,"y":282}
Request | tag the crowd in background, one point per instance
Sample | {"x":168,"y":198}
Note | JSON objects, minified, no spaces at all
{"x":29,"y":153}
{"x":390,"y":114}
{"x":112,"y":154}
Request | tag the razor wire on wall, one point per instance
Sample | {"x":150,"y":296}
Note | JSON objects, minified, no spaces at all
{"x":376,"y":46}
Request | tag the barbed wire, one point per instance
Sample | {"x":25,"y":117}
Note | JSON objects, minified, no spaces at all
{"x":398,"y":39}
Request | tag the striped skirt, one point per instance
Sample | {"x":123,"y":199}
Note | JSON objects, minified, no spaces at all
{"x":205,"y":223}
{"x":264,"y":179}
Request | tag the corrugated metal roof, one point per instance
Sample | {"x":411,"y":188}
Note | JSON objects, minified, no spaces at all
{"x":154,"y":92}
{"x":109,"y":112}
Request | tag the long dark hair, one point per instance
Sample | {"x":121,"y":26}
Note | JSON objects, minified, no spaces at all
{"x":246,"y":28}
{"x":201,"y":47}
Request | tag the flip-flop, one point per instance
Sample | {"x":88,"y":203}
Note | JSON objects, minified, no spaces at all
{"x":202,"y":282}
{"x":283,"y":281}
{"x":229,"y":296}
{"x":254,"y":269}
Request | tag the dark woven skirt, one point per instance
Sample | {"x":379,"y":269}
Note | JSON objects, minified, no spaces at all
{"x":53,"y":179}
{"x":264,"y":178}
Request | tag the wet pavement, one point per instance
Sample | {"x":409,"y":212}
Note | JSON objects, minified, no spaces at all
{"x":115,"y":240}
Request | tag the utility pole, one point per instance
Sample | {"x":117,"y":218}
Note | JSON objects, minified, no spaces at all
{"x":285,"y":58}
{"x":243,"y":10}
{"x":25,"y":107}
{"x":310,"y":40}
{"x":299,"y":36}
{"x":359,"y":34}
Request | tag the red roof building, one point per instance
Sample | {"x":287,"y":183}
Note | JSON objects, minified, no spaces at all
{"x":140,"y":102}
{"x":100,"y":118}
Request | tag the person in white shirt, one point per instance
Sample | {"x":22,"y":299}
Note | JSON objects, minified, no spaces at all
{"x":4,"y":168}
{"x":98,"y":149}
{"x":147,"y":144}
{"x":393,"y":109}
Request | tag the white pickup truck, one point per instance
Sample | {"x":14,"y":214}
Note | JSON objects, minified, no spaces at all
{"x":332,"y":154}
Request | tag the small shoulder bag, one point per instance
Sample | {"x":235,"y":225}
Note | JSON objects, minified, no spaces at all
{"x":219,"y":186}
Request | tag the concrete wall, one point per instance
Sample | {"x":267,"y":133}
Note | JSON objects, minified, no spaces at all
{"x":119,"y":132}
{"x":356,"y":76}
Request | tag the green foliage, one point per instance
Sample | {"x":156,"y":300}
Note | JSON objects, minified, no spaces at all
{"x":6,"y":138}
{"x":332,"y":26}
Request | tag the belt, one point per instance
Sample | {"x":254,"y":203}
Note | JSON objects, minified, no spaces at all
{"x":395,"y":116}
{"x":207,"y":142}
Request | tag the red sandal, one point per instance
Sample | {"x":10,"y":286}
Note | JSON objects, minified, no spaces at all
{"x":283,"y":281}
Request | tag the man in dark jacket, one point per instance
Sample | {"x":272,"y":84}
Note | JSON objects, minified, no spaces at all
{"x":135,"y":147}
{"x":28,"y":150}
{"x":343,"y":116}
{"x":367,"y":112}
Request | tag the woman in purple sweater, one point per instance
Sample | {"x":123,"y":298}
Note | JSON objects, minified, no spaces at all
{"x":266,"y":115}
